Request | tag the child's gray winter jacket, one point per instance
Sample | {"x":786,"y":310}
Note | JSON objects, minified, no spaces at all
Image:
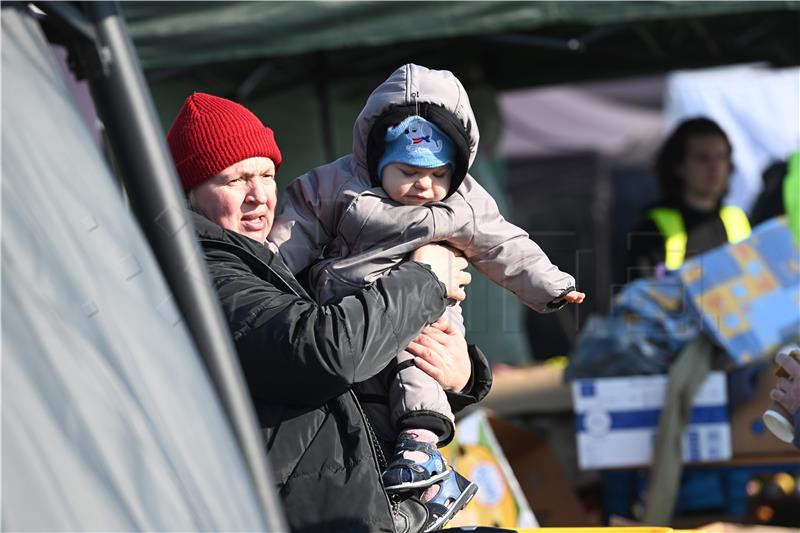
{"x":338,"y":219}
{"x":334,"y":215}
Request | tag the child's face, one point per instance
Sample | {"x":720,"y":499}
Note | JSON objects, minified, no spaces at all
{"x":411,"y":185}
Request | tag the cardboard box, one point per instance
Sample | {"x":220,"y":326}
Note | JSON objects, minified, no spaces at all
{"x":538,"y":388}
{"x":749,"y":434}
{"x":617,"y":421}
{"x":540,"y":476}
{"x":518,"y":475}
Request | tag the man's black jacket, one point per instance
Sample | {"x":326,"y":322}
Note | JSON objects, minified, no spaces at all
{"x":300,"y":360}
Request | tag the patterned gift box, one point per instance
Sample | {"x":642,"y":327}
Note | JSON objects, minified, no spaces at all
{"x":748,"y":293}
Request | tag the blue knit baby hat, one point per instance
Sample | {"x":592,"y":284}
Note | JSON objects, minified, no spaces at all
{"x":417,"y":142}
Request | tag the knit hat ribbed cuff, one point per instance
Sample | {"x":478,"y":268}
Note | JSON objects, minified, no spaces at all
{"x":209,"y":161}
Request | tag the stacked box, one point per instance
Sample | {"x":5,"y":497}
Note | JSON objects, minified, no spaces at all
{"x":617,"y":421}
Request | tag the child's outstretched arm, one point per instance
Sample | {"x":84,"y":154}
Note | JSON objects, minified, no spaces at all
{"x":505,"y":254}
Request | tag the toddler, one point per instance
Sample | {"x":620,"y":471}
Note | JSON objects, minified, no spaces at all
{"x":405,"y":185}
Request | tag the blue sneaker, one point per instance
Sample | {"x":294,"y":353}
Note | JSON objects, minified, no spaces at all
{"x":404,"y":474}
{"x":455,"y":492}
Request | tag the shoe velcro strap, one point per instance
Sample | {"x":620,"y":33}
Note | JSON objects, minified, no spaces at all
{"x":406,"y":463}
{"x":411,"y":445}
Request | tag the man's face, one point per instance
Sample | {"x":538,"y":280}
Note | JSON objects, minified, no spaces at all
{"x":706,"y":167}
{"x":241,"y":198}
{"x":411,"y":185}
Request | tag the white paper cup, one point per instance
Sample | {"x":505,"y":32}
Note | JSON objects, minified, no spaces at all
{"x":778,"y":424}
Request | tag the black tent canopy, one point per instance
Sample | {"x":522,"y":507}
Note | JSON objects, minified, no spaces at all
{"x":511,"y":44}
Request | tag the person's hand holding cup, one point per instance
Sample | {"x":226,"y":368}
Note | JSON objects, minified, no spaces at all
{"x":779,"y":416}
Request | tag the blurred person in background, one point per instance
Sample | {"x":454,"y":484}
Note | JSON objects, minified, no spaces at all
{"x":693,"y":167}
{"x":781,"y":194}
{"x":769,"y":202}
{"x":791,"y":195}
{"x":301,"y":359}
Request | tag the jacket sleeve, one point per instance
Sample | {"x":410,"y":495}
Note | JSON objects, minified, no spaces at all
{"x":505,"y":254}
{"x":307,"y":220}
{"x":479,"y":384}
{"x":295,"y":352}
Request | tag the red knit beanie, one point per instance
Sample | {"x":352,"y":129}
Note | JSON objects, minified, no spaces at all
{"x":211,"y":133}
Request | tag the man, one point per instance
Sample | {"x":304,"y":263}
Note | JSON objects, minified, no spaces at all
{"x":693,"y":167}
{"x":301,"y":359}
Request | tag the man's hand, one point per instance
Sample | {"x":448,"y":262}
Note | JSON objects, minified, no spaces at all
{"x":447,"y":266}
{"x":441,"y":352}
{"x":787,"y":389}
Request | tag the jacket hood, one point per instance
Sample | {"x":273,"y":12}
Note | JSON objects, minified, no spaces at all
{"x":436,"y":95}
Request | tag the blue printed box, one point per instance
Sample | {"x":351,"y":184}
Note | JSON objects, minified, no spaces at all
{"x":748,"y":293}
{"x":617,"y":421}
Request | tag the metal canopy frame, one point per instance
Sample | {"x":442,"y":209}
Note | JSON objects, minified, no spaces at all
{"x":101,"y":52}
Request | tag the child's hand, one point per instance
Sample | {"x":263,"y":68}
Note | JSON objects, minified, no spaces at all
{"x":575,"y":297}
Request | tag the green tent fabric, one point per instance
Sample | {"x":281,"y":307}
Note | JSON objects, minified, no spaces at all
{"x":170,"y":34}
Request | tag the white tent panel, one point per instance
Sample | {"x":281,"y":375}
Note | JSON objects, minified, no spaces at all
{"x":562,"y":120}
{"x":758,"y":107}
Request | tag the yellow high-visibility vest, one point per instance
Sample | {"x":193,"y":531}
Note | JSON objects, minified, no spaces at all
{"x":670,"y":223}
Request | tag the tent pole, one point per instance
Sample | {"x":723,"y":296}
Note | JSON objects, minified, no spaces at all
{"x":124,"y":104}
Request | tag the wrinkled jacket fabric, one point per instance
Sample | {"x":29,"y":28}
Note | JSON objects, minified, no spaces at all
{"x":300,"y":361}
{"x":336,"y":213}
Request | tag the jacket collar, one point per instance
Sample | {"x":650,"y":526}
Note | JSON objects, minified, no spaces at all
{"x":213,"y":234}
